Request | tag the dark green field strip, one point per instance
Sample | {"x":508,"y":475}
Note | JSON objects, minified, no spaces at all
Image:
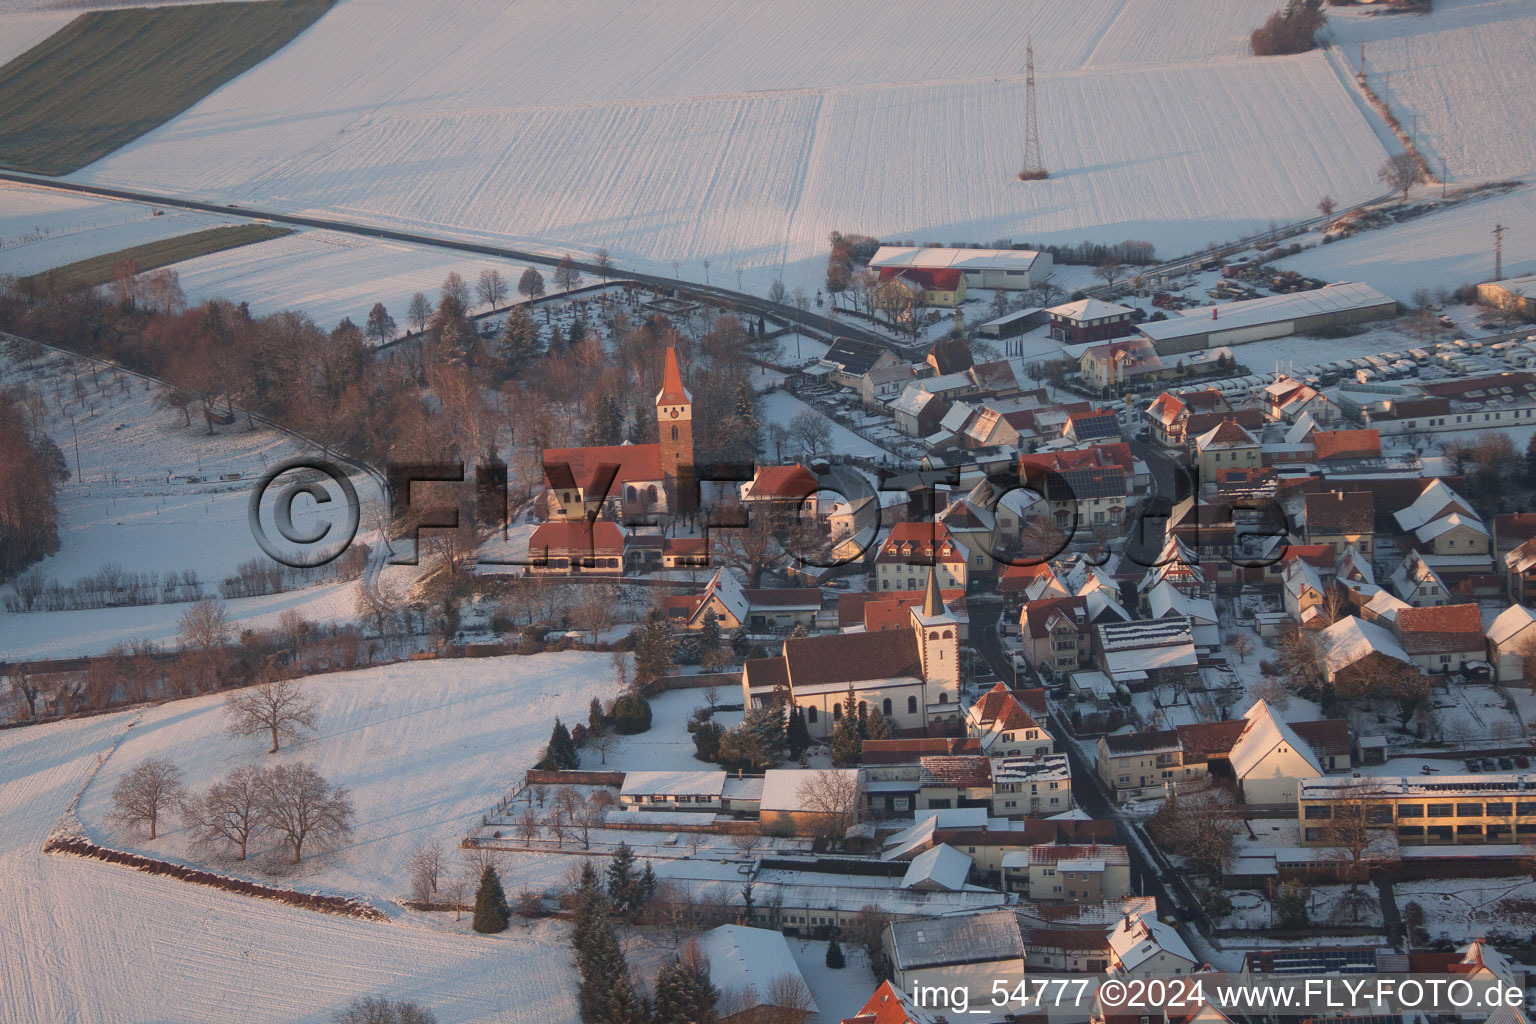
{"x":108,"y":77}
{"x":153,"y":255}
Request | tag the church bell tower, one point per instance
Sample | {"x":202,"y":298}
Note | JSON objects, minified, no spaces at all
{"x":674,"y":427}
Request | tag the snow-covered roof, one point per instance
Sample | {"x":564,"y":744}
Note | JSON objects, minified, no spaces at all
{"x":954,"y":421}
{"x":971,"y":260}
{"x":748,"y":960}
{"x":723,"y":585}
{"x":1333,"y":298}
{"x":1429,"y":504}
{"x":1445,"y":524}
{"x":675,"y":783}
{"x":914,"y":838}
{"x":1137,"y":938}
{"x":1088,"y":309}
{"x":1165,"y":598}
{"x":1510,"y":623}
{"x":783,"y":788}
{"x":938,"y":867}
{"x":1264,"y":733}
{"x":1351,"y":639}
{"x":1385,"y":605}
{"x":961,"y":938}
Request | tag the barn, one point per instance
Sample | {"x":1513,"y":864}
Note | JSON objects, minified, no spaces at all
{"x":1008,"y":269}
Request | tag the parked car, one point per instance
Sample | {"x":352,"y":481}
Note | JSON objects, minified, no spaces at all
{"x":1474,"y":765}
{"x":1506,"y":764}
{"x":1522,"y":762}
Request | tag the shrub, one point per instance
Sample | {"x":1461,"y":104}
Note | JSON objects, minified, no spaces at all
{"x":1292,"y":29}
{"x":631,"y":714}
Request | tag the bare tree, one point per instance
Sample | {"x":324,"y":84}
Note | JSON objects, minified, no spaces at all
{"x":278,"y":707}
{"x":419,"y":311}
{"x":299,"y":804}
{"x":603,"y":261}
{"x":204,"y":626}
{"x":1108,"y":270}
{"x":556,"y":822}
{"x":1400,"y":173}
{"x":454,"y":888}
{"x":378,"y":1010}
{"x":491,"y":288}
{"x":1240,"y":644}
{"x":584,"y":820}
{"x":595,"y":608}
{"x":229,"y":812}
{"x":811,"y":430}
{"x":787,"y":1001}
{"x":1326,"y":206}
{"x":148,"y":791}
{"x":836,"y":799}
{"x":426,"y":869}
{"x":531,"y":284}
{"x":566,"y":274}
{"x":1360,"y":833}
{"x":528,"y":825}
{"x":746,"y":842}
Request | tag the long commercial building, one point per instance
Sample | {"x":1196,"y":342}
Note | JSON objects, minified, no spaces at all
{"x":1274,"y":316}
{"x":1427,"y":810}
{"x":1009,"y":269}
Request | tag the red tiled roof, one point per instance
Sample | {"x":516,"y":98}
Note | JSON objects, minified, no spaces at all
{"x":783,"y":483}
{"x":789,"y":597}
{"x":919,"y":543}
{"x":1514,"y":528}
{"x":960,"y":771}
{"x":893,"y":610}
{"x":1449,"y":629}
{"x":1342,"y":512}
{"x":943,"y":279}
{"x":1346,"y":444}
{"x":672,"y":390}
{"x":1209,"y":739}
{"x":1033,"y":699}
{"x":1001,"y":706}
{"x":1040,"y":614}
{"x":574,"y":539}
{"x":685,"y":546}
{"x":1319,"y":556}
{"x":1325,"y":736}
{"x":909,"y":751}
{"x":578,"y":467}
{"x":884,"y":1007}
{"x":849,"y":657}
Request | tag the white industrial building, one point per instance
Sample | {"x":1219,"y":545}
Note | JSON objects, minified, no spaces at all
{"x":1274,"y":316}
{"x":1008,"y":269}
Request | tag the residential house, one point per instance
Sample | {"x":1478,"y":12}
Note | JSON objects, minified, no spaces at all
{"x":890,"y":1005}
{"x":882,"y":385}
{"x":1166,"y":600}
{"x":911,"y":549}
{"x":585,"y":547}
{"x":1443,"y":639}
{"x":1007,"y":269}
{"x":1511,"y":641}
{"x":672,"y":791}
{"x":1226,"y":446}
{"x":1005,"y":728}
{"x":1520,"y":572}
{"x":786,"y":495}
{"x":928,"y":286}
{"x":1168,"y":415}
{"x":1090,"y":320}
{"x":1418,"y":584}
{"x":848,"y":360}
{"x":1070,"y":874}
{"x":1118,"y":366}
{"x":1269,"y":758}
{"x":1339,"y":519}
{"x":792,"y":803}
{"x":1143,"y":653}
{"x":1141,"y":946}
{"x":1351,"y":644}
{"x":1092,"y":427}
{"x":759,"y":610}
{"x":1032,"y":784}
{"x":918,"y":411}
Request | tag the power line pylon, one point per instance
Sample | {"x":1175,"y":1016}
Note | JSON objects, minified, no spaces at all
{"x":1034,"y":164}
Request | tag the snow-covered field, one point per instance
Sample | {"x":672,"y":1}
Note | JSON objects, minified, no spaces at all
{"x":1444,"y":249}
{"x":93,"y":942}
{"x":329,"y":275}
{"x":41,"y":228}
{"x":744,"y":134}
{"x":22,"y":28}
{"x":426,"y":747}
{"x":1457,"y":79}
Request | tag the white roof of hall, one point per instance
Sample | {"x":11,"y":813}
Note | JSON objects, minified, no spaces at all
{"x":961,"y":259}
{"x":1262,"y":735}
{"x":1333,"y":298}
{"x":748,"y":960}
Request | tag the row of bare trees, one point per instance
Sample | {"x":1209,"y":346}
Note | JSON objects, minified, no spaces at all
{"x":290,"y":801}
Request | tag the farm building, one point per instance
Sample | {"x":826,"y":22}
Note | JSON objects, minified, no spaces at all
{"x":930,"y":286}
{"x":1011,"y":325}
{"x":1011,"y":269}
{"x":1274,"y":316}
{"x":1513,"y":294}
{"x":1088,"y":320}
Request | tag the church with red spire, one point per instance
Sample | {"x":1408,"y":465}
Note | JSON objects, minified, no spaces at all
{"x":629,"y":482}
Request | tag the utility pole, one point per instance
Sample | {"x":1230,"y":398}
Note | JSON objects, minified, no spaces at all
{"x":1498,"y":252}
{"x":1034,"y":163}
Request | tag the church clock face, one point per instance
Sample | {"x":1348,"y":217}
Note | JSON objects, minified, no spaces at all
{"x":673,"y":412}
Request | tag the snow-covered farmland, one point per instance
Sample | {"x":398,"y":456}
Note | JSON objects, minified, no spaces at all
{"x":329,"y":275}
{"x":41,"y":228}
{"x":94,"y":942}
{"x":1444,"y":249}
{"x":21,"y":29}
{"x":744,"y":134}
{"x":1457,"y":78}
{"x":426,"y":747}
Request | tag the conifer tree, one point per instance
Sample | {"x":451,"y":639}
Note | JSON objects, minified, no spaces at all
{"x":847,"y":744}
{"x":562,"y":751}
{"x":741,"y":642}
{"x":877,"y":727}
{"x":746,"y":412}
{"x":799,"y":734}
{"x":684,"y":993}
{"x":491,"y":910}
{"x":597,"y":722}
{"x":709,"y":636}
{"x":835,"y":959}
{"x":645,"y":887}
{"x":622,"y":879}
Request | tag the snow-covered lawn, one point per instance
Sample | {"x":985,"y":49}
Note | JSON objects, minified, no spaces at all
{"x":426,"y":747}
{"x":743,"y":135}
{"x":668,"y":745}
{"x":781,"y":407}
{"x":1469,"y":908}
{"x":95,"y":942}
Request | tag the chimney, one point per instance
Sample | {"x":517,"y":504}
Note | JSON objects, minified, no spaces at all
{"x":1213,"y":312}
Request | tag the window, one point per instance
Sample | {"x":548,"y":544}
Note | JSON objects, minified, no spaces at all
{"x":885,"y":707}
{"x":1469,"y":830}
{"x":943,"y":697}
{"x":1469,"y":810}
{"x":911,"y":705}
{"x":1317,"y":812}
{"x":811,"y":715}
{"x":674,"y":432}
{"x":1439,"y":810}
{"x":1410,"y":810}
{"x":1411,"y":831}
{"x":837,"y":712}
{"x":1525,"y":807}
{"x":1500,"y":810}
